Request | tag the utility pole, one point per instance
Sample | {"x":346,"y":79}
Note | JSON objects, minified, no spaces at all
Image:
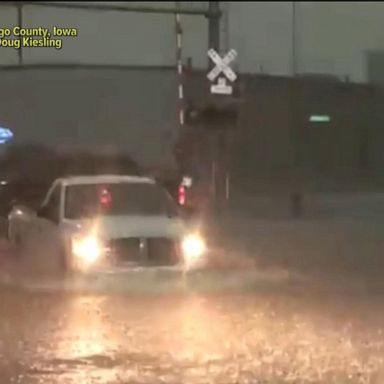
{"x":218,"y":142}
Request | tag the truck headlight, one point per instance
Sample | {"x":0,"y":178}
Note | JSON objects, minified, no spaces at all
{"x":88,"y":248}
{"x":193,"y":247}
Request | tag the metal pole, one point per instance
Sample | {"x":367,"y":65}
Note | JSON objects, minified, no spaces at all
{"x":296,"y":192}
{"x":214,"y":27}
{"x":226,"y":26}
{"x":293,"y":38}
{"x":113,"y":7}
{"x":293,"y":94}
{"x":179,"y":63}
{"x":214,"y":43}
{"x":20,"y":24}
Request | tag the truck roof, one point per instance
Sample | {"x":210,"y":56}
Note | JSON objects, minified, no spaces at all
{"x":101,"y":179}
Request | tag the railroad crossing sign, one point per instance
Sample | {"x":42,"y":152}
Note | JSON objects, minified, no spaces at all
{"x":222,"y":66}
{"x":221,"y":87}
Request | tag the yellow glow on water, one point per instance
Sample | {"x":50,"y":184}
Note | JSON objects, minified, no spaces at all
{"x":85,"y":333}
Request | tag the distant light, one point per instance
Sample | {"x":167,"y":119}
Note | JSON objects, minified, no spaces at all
{"x":5,"y":135}
{"x":3,"y":182}
{"x":187,"y":181}
{"x":319,"y":119}
{"x":105,"y":197}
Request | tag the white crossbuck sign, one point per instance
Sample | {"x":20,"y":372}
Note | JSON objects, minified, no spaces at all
{"x":222,"y":65}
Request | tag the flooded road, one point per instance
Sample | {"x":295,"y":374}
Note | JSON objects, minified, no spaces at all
{"x":271,"y":334}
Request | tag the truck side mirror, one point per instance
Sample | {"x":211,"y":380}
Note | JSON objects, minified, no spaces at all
{"x":23,"y":209}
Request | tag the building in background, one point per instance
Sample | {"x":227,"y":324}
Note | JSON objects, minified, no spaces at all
{"x":115,"y":84}
{"x":336,"y":38}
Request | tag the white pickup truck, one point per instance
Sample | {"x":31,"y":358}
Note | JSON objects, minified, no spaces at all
{"x":92,"y":222}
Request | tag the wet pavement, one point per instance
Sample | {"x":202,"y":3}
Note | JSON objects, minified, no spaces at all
{"x":272,"y":331}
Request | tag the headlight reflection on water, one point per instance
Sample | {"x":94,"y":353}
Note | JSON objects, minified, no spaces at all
{"x":87,"y":332}
{"x":199,"y":339}
{"x":86,"y":342}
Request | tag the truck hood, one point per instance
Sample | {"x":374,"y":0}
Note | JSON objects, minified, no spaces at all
{"x":114,"y":227}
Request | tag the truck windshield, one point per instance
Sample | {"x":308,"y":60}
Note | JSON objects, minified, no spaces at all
{"x":89,"y":200}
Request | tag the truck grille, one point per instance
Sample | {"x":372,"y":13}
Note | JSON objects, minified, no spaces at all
{"x":144,"y":251}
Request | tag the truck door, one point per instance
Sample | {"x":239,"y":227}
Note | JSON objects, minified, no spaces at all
{"x":43,"y":243}
{"x":46,"y":230}
{"x":50,"y":209}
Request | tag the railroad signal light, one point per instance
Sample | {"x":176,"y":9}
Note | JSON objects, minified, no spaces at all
{"x":213,"y":116}
{"x":181,"y":195}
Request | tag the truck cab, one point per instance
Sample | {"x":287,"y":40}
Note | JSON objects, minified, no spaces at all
{"x":88,"y":222}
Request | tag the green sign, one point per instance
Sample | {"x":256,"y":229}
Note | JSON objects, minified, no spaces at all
{"x":319,"y":119}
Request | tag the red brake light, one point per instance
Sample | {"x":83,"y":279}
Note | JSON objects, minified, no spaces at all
{"x":181,"y":195}
{"x":105,"y":197}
